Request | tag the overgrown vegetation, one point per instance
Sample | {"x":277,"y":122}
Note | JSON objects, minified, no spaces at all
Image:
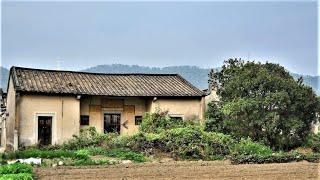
{"x":49,"y":154}
{"x":20,"y":176}
{"x":274,"y":158}
{"x":159,"y":121}
{"x":16,"y":171}
{"x":248,"y":147}
{"x":263,"y":102}
{"x":313,"y":142}
{"x":87,"y":138}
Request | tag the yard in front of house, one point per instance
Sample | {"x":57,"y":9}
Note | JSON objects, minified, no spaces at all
{"x":163,"y":149}
{"x":184,"y":170}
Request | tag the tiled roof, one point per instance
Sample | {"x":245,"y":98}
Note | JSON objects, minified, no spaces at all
{"x":83,"y":83}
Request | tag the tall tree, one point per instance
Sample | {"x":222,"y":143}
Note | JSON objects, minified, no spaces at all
{"x":264,"y":102}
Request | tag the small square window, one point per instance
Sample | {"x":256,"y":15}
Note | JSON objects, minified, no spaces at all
{"x":84,"y":120}
{"x":176,"y":118}
{"x":138,"y":120}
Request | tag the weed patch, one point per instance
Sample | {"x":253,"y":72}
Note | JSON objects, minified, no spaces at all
{"x":122,"y":154}
{"x":21,"y":176}
{"x":36,"y":153}
{"x":15,"y":168}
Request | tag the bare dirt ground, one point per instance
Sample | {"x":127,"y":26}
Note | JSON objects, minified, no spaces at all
{"x":185,"y":170}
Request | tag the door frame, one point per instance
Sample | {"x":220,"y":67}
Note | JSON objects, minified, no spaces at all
{"x":112,"y":111}
{"x":53,"y":128}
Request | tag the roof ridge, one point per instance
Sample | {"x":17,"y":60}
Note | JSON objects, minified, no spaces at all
{"x":190,"y":84}
{"x":85,"y":72}
{"x":113,"y":84}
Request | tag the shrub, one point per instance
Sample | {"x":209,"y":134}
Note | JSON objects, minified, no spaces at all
{"x":193,"y":142}
{"x":314,"y":142}
{"x":115,"y":141}
{"x":21,"y":176}
{"x":189,"y":142}
{"x":147,"y":143}
{"x":214,"y":118}
{"x":87,"y":137}
{"x":158,"y":122}
{"x":274,"y":158}
{"x":15,"y":168}
{"x":36,"y":153}
{"x":248,"y":147}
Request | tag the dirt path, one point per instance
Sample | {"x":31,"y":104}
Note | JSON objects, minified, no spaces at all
{"x":185,"y":170}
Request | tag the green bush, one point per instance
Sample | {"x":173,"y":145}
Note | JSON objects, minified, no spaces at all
{"x":21,"y":176}
{"x":248,"y":147}
{"x":214,"y":118}
{"x":159,"y":121}
{"x":189,"y":142}
{"x":87,"y":138}
{"x":147,"y":143}
{"x":314,"y":142}
{"x":36,"y":153}
{"x":193,"y":142}
{"x":274,"y":158}
{"x":116,"y":141}
{"x":15,"y":169}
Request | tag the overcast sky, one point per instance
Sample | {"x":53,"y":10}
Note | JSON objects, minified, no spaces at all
{"x":84,"y":34}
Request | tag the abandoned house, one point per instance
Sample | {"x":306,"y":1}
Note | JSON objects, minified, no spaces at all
{"x":49,"y":106}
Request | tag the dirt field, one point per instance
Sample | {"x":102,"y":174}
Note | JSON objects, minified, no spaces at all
{"x":185,"y":170}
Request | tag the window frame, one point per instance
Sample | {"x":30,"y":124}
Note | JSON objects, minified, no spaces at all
{"x":135,"y":120}
{"x":81,"y":120}
{"x":176,"y":116}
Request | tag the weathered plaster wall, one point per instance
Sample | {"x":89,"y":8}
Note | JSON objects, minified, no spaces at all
{"x":65,"y":111}
{"x":189,"y":109}
{"x":129,"y":107}
{"x":212,"y":97}
{"x":10,"y":120}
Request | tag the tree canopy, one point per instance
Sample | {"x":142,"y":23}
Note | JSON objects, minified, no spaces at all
{"x":264,"y":102}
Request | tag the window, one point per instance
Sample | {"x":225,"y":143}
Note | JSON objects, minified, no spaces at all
{"x":138,"y":120}
{"x":176,"y":118}
{"x":84,"y":120}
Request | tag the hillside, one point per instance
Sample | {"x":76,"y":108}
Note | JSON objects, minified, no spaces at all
{"x":196,"y":75}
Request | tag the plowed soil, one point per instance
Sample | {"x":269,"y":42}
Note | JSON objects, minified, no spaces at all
{"x":185,"y":170}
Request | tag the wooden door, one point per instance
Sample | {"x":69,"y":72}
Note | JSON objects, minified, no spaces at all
{"x":44,"y":130}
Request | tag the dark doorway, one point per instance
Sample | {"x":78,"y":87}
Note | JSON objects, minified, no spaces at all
{"x":112,"y":123}
{"x":44,"y":130}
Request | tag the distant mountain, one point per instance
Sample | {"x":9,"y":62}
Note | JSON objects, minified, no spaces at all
{"x":312,"y":81}
{"x":196,"y":75}
{"x":4,"y":73}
